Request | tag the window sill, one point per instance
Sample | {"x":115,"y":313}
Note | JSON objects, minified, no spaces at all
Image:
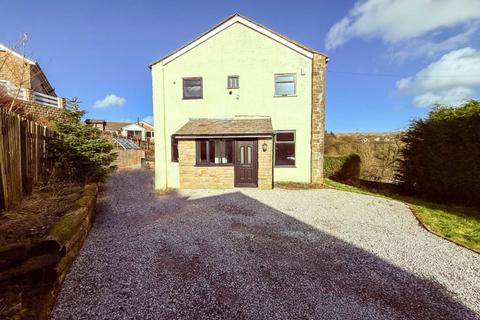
{"x":192,"y":98}
{"x":285,"y":166}
{"x":285,"y":96}
{"x":214,"y":165}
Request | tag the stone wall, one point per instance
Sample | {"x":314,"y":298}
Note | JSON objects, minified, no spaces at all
{"x":39,"y":268}
{"x":319,"y":64}
{"x":220,"y":177}
{"x":129,"y":159}
{"x":35,"y":112}
{"x":193,"y":177}
{"x":265,"y":164}
{"x":39,"y":113}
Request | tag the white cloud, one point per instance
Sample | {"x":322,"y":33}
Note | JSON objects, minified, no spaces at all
{"x":453,"y":96}
{"x":110,"y":100}
{"x":148,"y":119}
{"x":396,"y":21}
{"x":450,"y":80}
{"x":429,"y":48}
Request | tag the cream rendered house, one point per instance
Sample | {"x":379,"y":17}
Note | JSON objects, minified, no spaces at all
{"x":240,"y":106}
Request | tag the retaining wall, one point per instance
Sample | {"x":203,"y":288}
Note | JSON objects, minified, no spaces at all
{"x":45,"y":263}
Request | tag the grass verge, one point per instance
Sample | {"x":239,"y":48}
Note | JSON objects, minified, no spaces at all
{"x":460,"y":225}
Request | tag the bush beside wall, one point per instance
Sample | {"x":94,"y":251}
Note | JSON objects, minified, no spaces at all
{"x":441,"y":160}
{"x":342,"y":168}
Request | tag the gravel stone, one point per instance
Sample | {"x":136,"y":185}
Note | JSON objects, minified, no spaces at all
{"x":263,"y":254}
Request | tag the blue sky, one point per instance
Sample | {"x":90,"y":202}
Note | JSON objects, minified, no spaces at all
{"x":389,"y":59}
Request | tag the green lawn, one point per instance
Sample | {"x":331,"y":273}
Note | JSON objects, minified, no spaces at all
{"x":457,"y":224}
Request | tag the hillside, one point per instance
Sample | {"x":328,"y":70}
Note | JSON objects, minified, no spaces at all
{"x":379,"y":151}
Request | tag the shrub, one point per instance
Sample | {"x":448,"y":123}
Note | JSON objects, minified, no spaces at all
{"x":342,"y":168}
{"x":441,"y":159}
{"x":80,"y":153}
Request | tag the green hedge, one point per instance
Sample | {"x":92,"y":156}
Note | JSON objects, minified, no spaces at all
{"x":342,"y":168}
{"x":441,"y":158}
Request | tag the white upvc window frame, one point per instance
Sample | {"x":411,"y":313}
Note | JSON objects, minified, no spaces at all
{"x":283,"y":75}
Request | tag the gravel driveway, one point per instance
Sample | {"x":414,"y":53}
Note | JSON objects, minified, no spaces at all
{"x":253,"y":254}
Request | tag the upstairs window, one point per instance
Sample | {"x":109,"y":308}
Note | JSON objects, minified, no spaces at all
{"x":233,"y":82}
{"x":214,"y":152}
{"x":192,"y":88}
{"x":285,"y":85}
{"x":284,"y":148}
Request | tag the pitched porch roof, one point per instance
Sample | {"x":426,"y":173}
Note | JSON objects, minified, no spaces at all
{"x":235,"y":127}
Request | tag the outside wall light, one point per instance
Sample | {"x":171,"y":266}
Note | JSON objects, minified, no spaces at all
{"x":264,"y":147}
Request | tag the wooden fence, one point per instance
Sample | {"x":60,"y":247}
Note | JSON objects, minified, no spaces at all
{"x":23,"y":157}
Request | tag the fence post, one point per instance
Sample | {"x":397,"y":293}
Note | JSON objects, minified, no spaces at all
{"x":26,"y":188}
{"x":3,"y":182}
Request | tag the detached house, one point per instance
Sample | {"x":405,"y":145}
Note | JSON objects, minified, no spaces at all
{"x":239,"y":106}
{"x":24,"y":79}
{"x":19,"y":71}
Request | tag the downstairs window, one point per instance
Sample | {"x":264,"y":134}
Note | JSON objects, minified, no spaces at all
{"x":285,"y":148}
{"x":214,"y":152}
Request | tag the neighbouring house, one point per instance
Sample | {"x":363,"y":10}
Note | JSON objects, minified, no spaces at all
{"x":149,"y":130}
{"x":139,"y":130}
{"x":22,"y":72}
{"x":99,"y":124}
{"x":23,"y":78}
{"x":239,"y":106}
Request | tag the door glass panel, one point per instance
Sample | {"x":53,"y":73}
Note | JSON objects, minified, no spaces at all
{"x":242,"y":155}
{"x":249,"y":155}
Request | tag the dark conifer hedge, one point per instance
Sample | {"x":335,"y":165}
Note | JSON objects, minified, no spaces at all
{"x":441,"y":158}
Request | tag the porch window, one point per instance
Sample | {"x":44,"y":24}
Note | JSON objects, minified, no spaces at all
{"x":174,"y":145}
{"x":192,"y":88}
{"x":284,"y":148}
{"x":285,"y":85}
{"x":214,"y":152}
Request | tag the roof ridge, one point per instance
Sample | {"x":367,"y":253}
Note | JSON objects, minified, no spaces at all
{"x":268,"y":30}
{"x":15,"y":53}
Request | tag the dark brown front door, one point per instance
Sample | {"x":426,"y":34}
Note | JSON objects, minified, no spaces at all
{"x":246,"y":163}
